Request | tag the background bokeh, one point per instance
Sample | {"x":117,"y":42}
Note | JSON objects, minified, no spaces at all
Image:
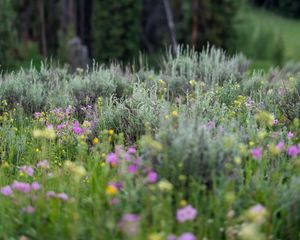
{"x":266,"y":31}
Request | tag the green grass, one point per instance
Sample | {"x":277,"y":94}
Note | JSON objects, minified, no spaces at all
{"x":202,"y":125}
{"x":254,"y":20}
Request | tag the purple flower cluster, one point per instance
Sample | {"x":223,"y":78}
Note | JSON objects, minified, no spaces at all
{"x":28,"y":170}
{"x":256,"y":153}
{"x":186,"y":213}
{"x":129,"y":224}
{"x":132,"y":162}
{"x":61,"y":120}
{"x":184,"y":236}
{"x":20,"y":187}
{"x":62,"y":196}
{"x":293,"y":151}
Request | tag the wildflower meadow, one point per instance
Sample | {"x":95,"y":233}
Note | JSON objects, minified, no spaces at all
{"x":200,"y":149}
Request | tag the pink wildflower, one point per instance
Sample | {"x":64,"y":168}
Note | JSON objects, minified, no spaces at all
{"x":292,"y":151}
{"x":280,"y":145}
{"x":44,"y":164}
{"x":6,"y":191}
{"x":129,"y":224}
{"x":76,"y":128}
{"x":112,"y":159}
{"x":27,"y":170}
{"x":50,"y":194}
{"x":29,"y":209}
{"x":186,"y":213}
{"x":132,"y":169}
{"x":171,"y":237}
{"x":256,"y":153}
{"x":290,"y":135}
{"x":187,"y":236}
{"x":152,"y":177}
{"x":138,"y":161}
{"x":35,"y":186}
{"x":21,"y":186}
{"x":131,"y":150}
{"x":63,"y":196}
{"x":127,"y":157}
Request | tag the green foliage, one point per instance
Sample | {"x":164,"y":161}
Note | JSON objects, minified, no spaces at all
{"x":7,"y":34}
{"x":215,"y":22}
{"x":290,"y":8}
{"x":134,"y":148}
{"x":116,"y":29}
{"x":290,"y":100}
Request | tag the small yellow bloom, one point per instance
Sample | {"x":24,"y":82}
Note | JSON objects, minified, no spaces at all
{"x":155,"y":236}
{"x":110,"y":132}
{"x":251,"y":143}
{"x":238,"y":160}
{"x":102,"y":164}
{"x":261,"y":135}
{"x":95,"y":141}
{"x":174,"y":114}
{"x":21,"y":174}
{"x":192,"y":82}
{"x":5,"y":164}
{"x":166,"y":117}
{"x":37,"y":150}
{"x":165,"y":186}
{"x":111,"y":190}
{"x":183,"y":203}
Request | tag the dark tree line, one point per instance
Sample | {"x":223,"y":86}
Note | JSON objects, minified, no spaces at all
{"x":290,"y":8}
{"x":119,"y":29}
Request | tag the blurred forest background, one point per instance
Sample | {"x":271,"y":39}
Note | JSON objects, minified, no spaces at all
{"x":266,"y":31}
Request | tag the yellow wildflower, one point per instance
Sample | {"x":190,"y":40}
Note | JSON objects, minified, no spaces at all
{"x":111,"y":190}
{"x":174,"y":114}
{"x":95,"y":141}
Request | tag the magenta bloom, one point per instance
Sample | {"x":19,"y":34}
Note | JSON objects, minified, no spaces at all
{"x":256,"y":153}
{"x":186,"y":213}
{"x":292,"y":151}
{"x":138,"y":161}
{"x":129,"y":224}
{"x":6,"y":191}
{"x":76,"y":128}
{"x":132,"y":169}
{"x":290,"y":135}
{"x":187,"y":236}
{"x":280,"y":145}
{"x":21,"y":186}
{"x":35,"y":186}
{"x":63,"y":196}
{"x":112,"y":159}
{"x":131,"y":150}
{"x":27,"y":170}
{"x":171,"y":237}
{"x":44,"y":164}
{"x":127,"y":157}
{"x":29,"y":209}
{"x":275,"y":121}
{"x":152,"y":177}
{"x":50,"y":194}
{"x":211,"y":125}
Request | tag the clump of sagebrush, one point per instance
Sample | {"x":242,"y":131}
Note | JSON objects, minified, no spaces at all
{"x":196,"y":148}
{"x":290,"y":100}
{"x":210,"y":66}
{"x":131,"y":115}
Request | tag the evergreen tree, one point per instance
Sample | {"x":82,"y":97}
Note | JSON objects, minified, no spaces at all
{"x":116,"y":28}
{"x":7,"y":35}
{"x":207,"y":21}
